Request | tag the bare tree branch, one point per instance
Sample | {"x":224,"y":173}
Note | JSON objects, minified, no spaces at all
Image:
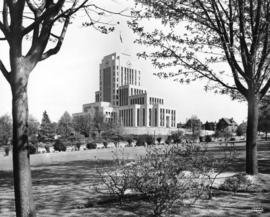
{"x":5,"y":15}
{"x":56,"y":49}
{"x":48,"y":13}
{"x":4,"y":71}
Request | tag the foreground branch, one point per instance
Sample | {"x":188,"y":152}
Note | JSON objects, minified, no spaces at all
{"x":4,"y":71}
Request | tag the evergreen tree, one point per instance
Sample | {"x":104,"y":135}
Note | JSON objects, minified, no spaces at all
{"x":47,"y":130}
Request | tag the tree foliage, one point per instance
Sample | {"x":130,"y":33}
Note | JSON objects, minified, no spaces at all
{"x":203,"y":33}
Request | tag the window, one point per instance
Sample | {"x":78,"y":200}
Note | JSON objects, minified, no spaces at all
{"x":156,"y":117}
{"x":138,"y":117}
{"x":150,"y":114}
{"x":143,"y":117}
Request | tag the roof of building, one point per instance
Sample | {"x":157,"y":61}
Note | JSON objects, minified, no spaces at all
{"x":228,"y":121}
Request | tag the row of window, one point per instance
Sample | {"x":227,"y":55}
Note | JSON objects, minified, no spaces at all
{"x":135,"y":91}
{"x":138,"y":101}
{"x":126,"y":117}
{"x":129,"y":76}
{"x":153,"y":100}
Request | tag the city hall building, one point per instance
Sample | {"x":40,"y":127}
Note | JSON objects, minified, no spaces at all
{"x":121,"y":98}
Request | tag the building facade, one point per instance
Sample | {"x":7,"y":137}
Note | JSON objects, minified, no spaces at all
{"x":122,"y":98}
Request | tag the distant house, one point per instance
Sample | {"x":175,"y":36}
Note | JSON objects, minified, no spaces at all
{"x":226,"y":125}
{"x":209,"y":126}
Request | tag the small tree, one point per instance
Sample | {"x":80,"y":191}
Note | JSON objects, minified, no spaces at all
{"x":5,"y":130}
{"x":82,"y":123}
{"x":194,"y":124}
{"x":64,"y":125}
{"x":47,"y":129}
{"x":241,"y":129}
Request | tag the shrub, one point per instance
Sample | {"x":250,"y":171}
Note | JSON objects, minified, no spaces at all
{"x":177,"y":137}
{"x":32,"y":149}
{"x":105,"y":144}
{"x":91,"y":146}
{"x":78,"y":145}
{"x":59,"y":146}
{"x":159,"y":140}
{"x":149,"y":140}
{"x":168,"y":140}
{"x":165,"y":176}
{"x":140,"y":141}
{"x":208,"y":138}
{"x":238,"y":182}
{"x":47,"y":148}
{"x":129,"y":140}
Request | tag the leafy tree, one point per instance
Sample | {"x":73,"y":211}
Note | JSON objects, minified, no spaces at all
{"x":47,"y":129}
{"x":194,"y":124}
{"x":82,"y":124}
{"x":99,"y":123}
{"x":204,"y":33}
{"x":28,"y":27}
{"x":64,"y":126}
{"x":5,"y":130}
{"x":241,"y":129}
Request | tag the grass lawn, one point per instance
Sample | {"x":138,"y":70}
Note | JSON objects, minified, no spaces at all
{"x":62,"y":184}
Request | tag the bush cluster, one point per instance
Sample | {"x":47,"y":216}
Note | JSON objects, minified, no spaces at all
{"x":59,"y":145}
{"x":165,"y":176}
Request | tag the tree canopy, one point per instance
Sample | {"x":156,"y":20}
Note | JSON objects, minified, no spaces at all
{"x":200,"y":34}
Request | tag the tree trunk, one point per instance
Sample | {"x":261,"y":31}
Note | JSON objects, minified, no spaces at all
{"x":21,"y":159}
{"x":252,"y":129}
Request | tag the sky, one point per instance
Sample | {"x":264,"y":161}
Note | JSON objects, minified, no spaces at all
{"x":66,"y":81}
